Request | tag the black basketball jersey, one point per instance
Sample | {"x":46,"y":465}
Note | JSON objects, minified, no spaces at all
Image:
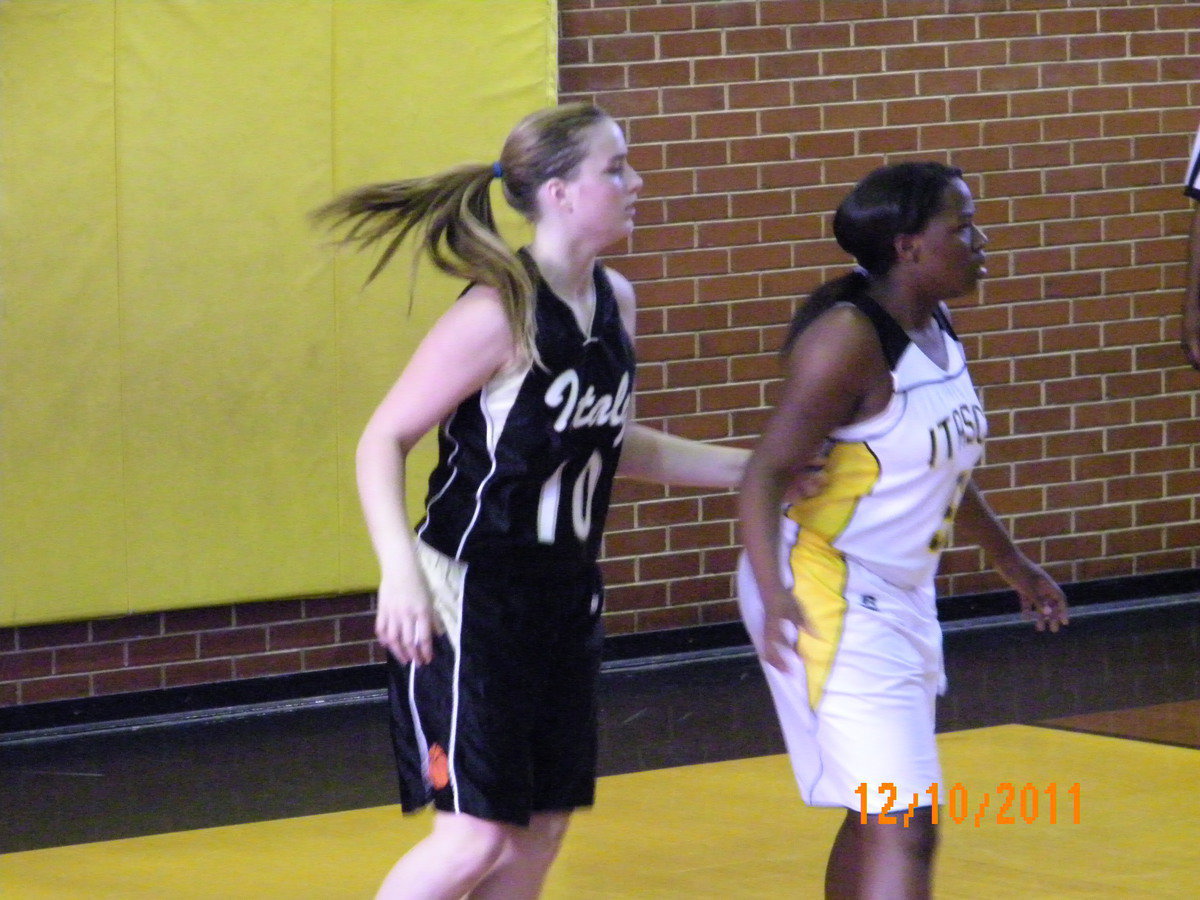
{"x":527,"y":463}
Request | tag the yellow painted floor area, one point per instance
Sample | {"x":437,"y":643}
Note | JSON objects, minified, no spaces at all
{"x":720,"y":830}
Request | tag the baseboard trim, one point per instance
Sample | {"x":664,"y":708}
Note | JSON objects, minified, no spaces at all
{"x":179,"y":704}
{"x":366,"y":683}
{"x":1080,"y":594}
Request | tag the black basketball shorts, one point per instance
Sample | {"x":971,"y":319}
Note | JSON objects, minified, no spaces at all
{"x":502,"y":723}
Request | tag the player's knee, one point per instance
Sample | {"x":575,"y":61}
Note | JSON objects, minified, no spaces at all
{"x":545,"y":834}
{"x":471,"y":845}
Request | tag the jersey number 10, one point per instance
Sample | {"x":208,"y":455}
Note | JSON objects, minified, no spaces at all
{"x":582,"y":495}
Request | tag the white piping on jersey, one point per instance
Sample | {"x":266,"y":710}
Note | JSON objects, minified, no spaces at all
{"x":877,"y":425}
{"x":941,"y":379}
{"x":887,"y":418}
{"x":422,"y":744}
{"x":453,"y":473}
{"x":452,"y":750}
{"x":548,"y":506}
{"x":1192,"y":188}
{"x":496,"y":400}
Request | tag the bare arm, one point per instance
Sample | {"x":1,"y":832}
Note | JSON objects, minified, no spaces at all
{"x":835,"y":372}
{"x":461,"y":353}
{"x":1191,"y":296}
{"x":1041,"y":598}
{"x":652,"y":455}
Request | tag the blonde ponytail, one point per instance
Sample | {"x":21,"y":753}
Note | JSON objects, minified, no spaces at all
{"x":453,"y":211}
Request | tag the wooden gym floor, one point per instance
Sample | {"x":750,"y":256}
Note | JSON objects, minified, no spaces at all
{"x":696,"y":800}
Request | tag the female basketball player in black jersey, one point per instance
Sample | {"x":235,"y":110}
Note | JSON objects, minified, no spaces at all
{"x":491,"y":611}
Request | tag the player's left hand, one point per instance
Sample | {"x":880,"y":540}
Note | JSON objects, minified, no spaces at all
{"x":1042,"y":600}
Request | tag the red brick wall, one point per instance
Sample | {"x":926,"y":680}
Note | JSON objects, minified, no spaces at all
{"x":1073,"y":119}
{"x":40,"y":663}
{"x":749,"y":120}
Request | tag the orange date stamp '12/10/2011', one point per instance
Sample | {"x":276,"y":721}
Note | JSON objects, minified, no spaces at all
{"x":1013,"y":804}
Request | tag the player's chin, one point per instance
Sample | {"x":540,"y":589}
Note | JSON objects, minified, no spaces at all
{"x":620,"y":232}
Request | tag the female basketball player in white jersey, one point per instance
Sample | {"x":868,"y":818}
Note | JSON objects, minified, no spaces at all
{"x":491,"y":611}
{"x":876,"y":379}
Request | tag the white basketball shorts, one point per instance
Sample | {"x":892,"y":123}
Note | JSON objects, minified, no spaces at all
{"x":857,"y":704}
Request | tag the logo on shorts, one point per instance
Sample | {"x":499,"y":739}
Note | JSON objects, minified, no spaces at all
{"x":869,"y":602}
{"x":439,"y":767}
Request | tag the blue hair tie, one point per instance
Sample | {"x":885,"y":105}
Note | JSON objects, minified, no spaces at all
{"x":497,"y":170}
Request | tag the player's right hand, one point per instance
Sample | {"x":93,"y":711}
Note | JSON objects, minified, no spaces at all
{"x":404,"y":621}
{"x":781,"y":631}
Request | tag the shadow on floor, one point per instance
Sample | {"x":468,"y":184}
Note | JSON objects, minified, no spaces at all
{"x":335,"y":755}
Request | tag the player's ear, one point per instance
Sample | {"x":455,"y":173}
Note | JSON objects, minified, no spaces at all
{"x":553,"y":194}
{"x":908,"y":247}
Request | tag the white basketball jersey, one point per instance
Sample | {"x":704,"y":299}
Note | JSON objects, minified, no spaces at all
{"x":894,"y":481}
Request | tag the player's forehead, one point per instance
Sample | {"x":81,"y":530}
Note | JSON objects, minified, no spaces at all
{"x":604,"y":142}
{"x":957,"y":202}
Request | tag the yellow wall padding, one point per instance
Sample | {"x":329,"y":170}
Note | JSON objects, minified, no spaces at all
{"x":184,"y":365}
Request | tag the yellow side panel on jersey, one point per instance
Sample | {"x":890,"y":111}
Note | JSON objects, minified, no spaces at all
{"x":185,"y":368}
{"x":818,"y":570}
{"x":850,"y":472}
{"x":819,"y":584}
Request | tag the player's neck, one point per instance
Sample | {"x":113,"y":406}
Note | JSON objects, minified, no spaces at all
{"x":913,"y":312}
{"x":568,"y":271}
